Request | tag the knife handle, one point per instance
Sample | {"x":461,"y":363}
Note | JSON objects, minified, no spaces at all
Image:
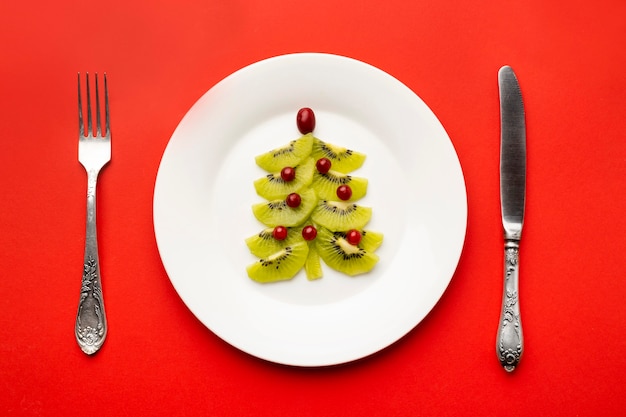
{"x":510,"y":340}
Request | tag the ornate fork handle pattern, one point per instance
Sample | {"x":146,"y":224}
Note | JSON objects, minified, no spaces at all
{"x":510,"y":341}
{"x":91,"y":323}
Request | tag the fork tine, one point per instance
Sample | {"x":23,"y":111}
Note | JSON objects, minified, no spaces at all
{"x":106,"y":106}
{"x":89,"y":125}
{"x":81,"y":125}
{"x":98,"y":131}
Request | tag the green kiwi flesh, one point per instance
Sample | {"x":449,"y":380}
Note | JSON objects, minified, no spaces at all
{"x":370,"y":240}
{"x":340,"y":255}
{"x":341,"y":215}
{"x":325,"y":185}
{"x":287,"y":156}
{"x":280,"y":266}
{"x":313,"y":266}
{"x":263,"y":244}
{"x":272,"y":186}
{"x":341,"y":159}
{"x":277,"y":212}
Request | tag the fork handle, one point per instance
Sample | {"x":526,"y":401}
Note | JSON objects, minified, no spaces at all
{"x":91,"y":323}
{"x":510,"y":340}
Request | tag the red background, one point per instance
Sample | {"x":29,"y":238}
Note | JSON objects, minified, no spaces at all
{"x":161,"y":56}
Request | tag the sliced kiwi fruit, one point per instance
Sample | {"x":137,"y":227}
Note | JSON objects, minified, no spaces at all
{"x":264,"y":244}
{"x":340,"y":255}
{"x":341,"y":159}
{"x":313,"y":266}
{"x":280,"y":266}
{"x":289,"y":155}
{"x":325,"y":185}
{"x":370,"y":240}
{"x":341,"y":215}
{"x":277,"y":212}
{"x":273,"y":186}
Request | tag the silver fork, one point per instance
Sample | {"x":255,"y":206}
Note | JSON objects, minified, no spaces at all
{"x":93,"y":153}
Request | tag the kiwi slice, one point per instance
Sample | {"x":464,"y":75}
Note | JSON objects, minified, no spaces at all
{"x":325,"y":185}
{"x":280,"y":266}
{"x":277,"y":212}
{"x":264,"y":244}
{"x":273,"y":186}
{"x":341,"y":159}
{"x":341,"y":215}
{"x":340,"y":255}
{"x":370,"y":240}
{"x":287,"y":156}
{"x":313,"y":266}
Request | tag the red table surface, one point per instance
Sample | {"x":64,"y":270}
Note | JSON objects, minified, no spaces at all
{"x":161,"y":56}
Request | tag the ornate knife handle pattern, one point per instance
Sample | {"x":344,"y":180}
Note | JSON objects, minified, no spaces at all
{"x":510,"y":341}
{"x":91,"y":323}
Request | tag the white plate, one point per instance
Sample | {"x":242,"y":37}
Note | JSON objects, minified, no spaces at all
{"x":204,"y":193}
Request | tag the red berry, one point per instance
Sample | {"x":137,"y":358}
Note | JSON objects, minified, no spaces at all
{"x":293,"y":200}
{"x":305,"y":120}
{"x":288,"y":174}
{"x":353,"y":237}
{"x":344,"y":192}
{"x":280,"y":233}
{"x":309,"y":233}
{"x":323,"y":165}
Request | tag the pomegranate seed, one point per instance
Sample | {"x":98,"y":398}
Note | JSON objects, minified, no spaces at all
{"x":309,"y":233}
{"x":344,"y":192}
{"x":323,"y":165}
{"x":288,"y":174}
{"x":353,"y":237}
{"x":305,"y":120}
{"x":293,"y":200}
{"x":280,"y":233}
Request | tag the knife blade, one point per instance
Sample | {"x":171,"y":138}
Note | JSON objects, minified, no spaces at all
{"x":510,"y":341}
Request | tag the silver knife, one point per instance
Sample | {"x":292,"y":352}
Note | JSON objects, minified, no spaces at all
{"x":510,"y":341}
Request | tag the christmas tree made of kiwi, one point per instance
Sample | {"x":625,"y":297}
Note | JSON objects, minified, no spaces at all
{"x":311,"y":211}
